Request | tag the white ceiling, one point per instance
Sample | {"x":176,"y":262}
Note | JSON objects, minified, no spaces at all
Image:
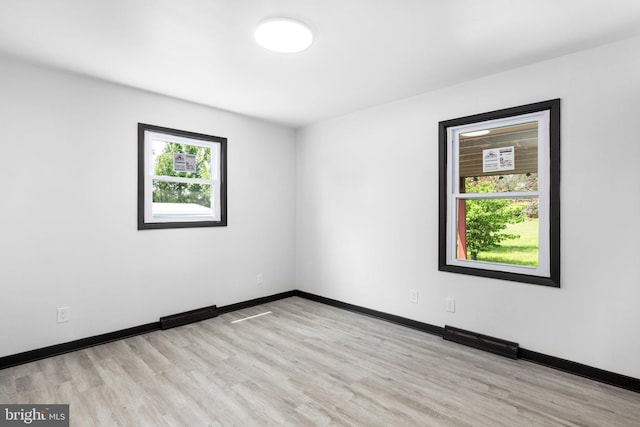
{"x":366,"y":52}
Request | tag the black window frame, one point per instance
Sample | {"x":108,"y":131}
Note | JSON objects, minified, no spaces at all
{"x":553,"y":280}
{"x":222,"y":165}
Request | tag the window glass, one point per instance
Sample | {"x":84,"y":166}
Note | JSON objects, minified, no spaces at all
{"x":507,"y":156}
{"x":166,"y":161}
{"x":173,"y":198}
{"x":498,"y":231}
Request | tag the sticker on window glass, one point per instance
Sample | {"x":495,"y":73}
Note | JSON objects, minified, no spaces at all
{"x":190,"y":163}
{"x":184,"y":162}
{"x":498,"y":159}
{"x":179,"y":162}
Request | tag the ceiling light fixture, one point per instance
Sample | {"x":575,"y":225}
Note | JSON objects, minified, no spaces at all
{"x":476,"y":133}
{"x":283,"y":35}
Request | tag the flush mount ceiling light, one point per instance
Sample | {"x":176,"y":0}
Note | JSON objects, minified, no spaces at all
{"x":283,"y":35}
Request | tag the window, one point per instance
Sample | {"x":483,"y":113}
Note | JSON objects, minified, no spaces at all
{"x":499,"y":194}
{"x":181,"y":179}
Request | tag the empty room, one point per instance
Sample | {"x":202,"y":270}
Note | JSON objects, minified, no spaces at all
{"x":319,"y":213}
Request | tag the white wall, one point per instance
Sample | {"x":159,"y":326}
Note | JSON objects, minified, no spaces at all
{"x":68,"y":224}
{"x":367,"y":211}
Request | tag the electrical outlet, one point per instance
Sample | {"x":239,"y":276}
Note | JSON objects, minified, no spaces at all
{"x":259,"y":279}
{"x":450,"y":305}
{"x":64,"y":314}
{"x":413,"y":296}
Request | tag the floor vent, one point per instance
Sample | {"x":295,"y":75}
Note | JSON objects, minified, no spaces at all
{"x":188,"y":317}
{"x":482,"y":342}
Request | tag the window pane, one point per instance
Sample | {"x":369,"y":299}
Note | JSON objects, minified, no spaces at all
{"x":503,"y":231}
{"x":181,"y":199}
{"x":183,"y":160}
{"x":502,"y":158}
{"x":501,"y":183}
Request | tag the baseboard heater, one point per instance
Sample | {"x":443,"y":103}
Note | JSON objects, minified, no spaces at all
{"x":482,"y":342}
{"x":187,"y":317}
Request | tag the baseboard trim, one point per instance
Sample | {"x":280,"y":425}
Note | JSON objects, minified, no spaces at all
{"x":424,"y":327}
{"x":254,"y":302}
{"x":79,"y":344}
{"x":82,"y":343}
{"x":596,"y":374}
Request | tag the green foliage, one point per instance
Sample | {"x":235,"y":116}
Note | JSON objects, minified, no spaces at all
{"x":521,"y":251}
{"x":178,"y":192}
{"x":514,"y":182}
{"x":487,"y":219}
{"x":518,"y":182}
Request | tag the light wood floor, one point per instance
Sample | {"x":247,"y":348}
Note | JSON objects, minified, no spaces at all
{"x":308,"y":364}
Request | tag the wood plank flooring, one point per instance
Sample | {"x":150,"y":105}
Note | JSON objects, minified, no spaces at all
{"x":309,"y":364}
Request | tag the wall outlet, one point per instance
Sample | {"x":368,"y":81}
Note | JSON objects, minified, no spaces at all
{"x":413,"y":296}
{"x":259,"y":279}
{"x":450,"y":305}
{"x":64,"y":314}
